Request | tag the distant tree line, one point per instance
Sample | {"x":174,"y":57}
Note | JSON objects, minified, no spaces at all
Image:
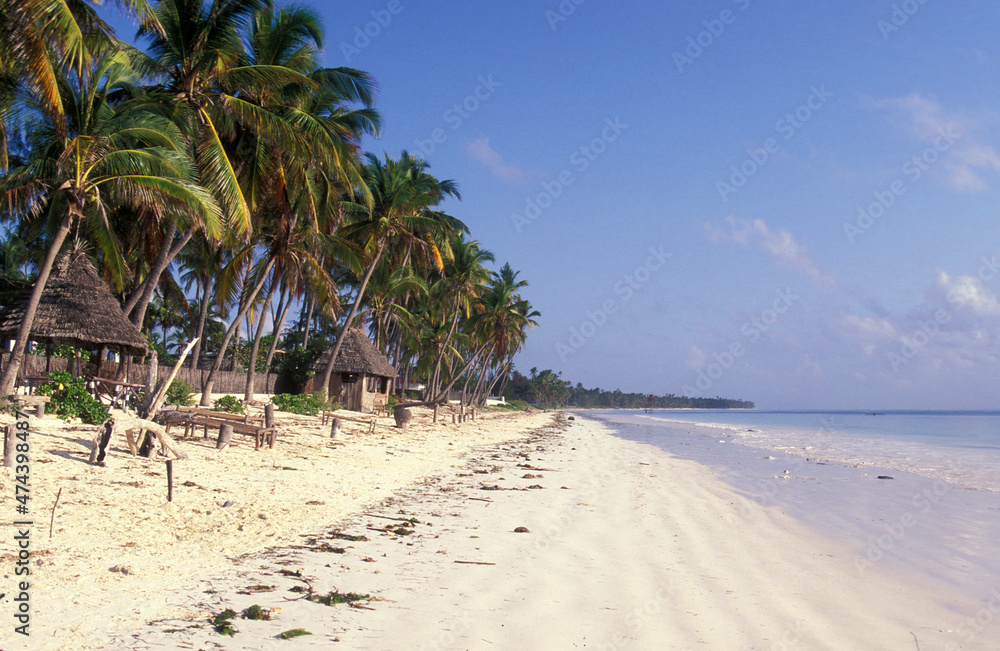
{"x":548,"y":389}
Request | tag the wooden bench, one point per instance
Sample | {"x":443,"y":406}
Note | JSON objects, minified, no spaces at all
{"x":38,"y":402}
{"x":330,"y":415}
{"x":194,"y":417}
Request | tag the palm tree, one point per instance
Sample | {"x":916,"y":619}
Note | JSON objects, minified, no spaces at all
{"x":464,"y":280}
{"x":109,"y":156}
{"x":402,"y":194}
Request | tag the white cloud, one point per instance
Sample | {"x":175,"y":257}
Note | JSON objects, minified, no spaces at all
{"x":964,"y":157}
{"x":481,"y":151}
{"x":780,"y":245}
{"x":695,"y":359}
{"x":967,"y":291}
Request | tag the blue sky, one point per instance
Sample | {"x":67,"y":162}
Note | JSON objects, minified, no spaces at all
{"x":791,"y":203}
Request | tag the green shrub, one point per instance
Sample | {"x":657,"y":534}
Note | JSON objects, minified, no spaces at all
{"x":71,"y":399}
{"x":391,"y":402}
{"x":296,"y":364}
{"x":180,"y":393}
{"x":228,"y":403}
{"x":304,"y":404}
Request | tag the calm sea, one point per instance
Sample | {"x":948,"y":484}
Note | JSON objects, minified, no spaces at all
{"x":959,"y":447}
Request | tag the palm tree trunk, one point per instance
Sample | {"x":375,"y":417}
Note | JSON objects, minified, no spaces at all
{"x":203,"y":309}
{"x":308,"y":323}
{"x":14,"y":362}
{"x":167,"y":253}
{"x":328,"y":373}
{"x":283,"y":305}
{"x":252,"y":363}
{"x":443,"y":394}
{"x":206,"y":389}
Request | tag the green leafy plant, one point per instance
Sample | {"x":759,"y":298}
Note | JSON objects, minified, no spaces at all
{"x":223,"y":623}
{"x":296,"y":365}
{"x":70,"y":398}
{"x":256,"y":612}
{"x":180,"y":393}
{"x":304,"y":404}
{"x":336,"y":597}
{"x":294,"y":632}
{"x":228,"y":403}
{"x":391,"y":402}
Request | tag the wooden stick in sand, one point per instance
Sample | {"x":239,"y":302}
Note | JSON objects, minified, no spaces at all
{"x":52,"y":520}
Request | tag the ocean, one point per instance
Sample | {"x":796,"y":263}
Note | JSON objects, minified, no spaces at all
{"x":916,"y":492}
{"x":959,"y":447}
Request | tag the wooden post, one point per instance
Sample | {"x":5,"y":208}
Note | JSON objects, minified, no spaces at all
{"x":335,"y":429}
{"x":225,"y":436}
{"x":269,"y":415}
{"x":453,"y":419}
{"x":40,"y":410}
{"x":435,"y":413}
{"x":170,"y":480}
{"x":9,"y":445}
{"x":473,"y":413}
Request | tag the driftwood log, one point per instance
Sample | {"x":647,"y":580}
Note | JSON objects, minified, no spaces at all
{"x":98,"y":452}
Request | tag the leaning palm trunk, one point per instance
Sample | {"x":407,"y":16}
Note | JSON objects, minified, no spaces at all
{"x":328,"y":373}
{"x":168,"y":252}
{"x":252,"y":362}
{"x":203,"y":309}
{"x":17,"y":355}
{"x":206,"y":390}
{"x":283,"y":305}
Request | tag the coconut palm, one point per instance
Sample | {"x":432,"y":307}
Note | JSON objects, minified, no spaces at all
{"x":403,"y":194}
{"x":96,"y":158}
{"x":464,"y":280}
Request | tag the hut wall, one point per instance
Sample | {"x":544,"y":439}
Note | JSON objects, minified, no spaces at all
{"x":350,"y":394}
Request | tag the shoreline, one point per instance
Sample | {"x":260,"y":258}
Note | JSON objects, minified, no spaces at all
{"x":628,"y":548}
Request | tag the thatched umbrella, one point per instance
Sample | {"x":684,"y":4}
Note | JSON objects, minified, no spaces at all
{"x":76,"y":309}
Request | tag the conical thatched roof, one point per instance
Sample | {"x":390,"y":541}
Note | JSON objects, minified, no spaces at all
{"x":358,"y":355}
{"x":76,"y":309}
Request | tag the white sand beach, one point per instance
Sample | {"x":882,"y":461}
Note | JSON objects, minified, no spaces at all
{"x":626,"y":548}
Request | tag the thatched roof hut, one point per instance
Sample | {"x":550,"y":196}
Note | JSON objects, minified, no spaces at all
{"x":76,"y":309}
{"x":358,"y":355}
{"x":361,"y":375}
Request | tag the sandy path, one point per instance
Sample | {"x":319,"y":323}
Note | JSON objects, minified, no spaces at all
{"x":639,"y":551}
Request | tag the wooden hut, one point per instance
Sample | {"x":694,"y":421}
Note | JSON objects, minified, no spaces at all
{"x":361,"y":376}
{"x":76,"y":309}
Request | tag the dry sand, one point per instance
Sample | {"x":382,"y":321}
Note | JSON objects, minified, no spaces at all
{"x":119,"y":549}
{"x":627,"y":548}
